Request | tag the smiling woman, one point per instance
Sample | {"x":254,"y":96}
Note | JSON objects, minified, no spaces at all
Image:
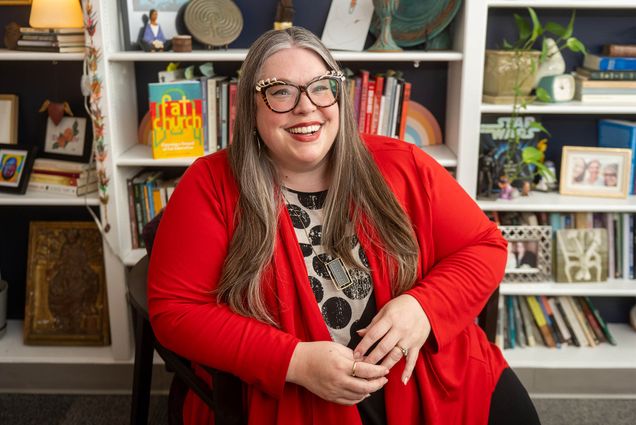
{"x":353,"y":268}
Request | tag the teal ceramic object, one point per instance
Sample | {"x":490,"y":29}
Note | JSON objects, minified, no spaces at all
{"x":419,"y":21}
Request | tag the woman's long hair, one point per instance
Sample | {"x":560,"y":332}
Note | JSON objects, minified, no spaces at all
{"x":355,"y":181}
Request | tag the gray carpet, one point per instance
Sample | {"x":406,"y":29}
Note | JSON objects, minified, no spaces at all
{"x":19,"y":409}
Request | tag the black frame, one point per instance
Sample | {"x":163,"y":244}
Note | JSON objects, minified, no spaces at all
{"x":23,"y":179}
{"x":86,"y":150}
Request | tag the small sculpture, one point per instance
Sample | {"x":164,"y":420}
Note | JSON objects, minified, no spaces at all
{"x":56,"y":110}
{"x":554,"y":63}
{"x":486,"y":169}
{"x":385,"y":10}
{"x":506,"y":188}
{"x":153,"y":39}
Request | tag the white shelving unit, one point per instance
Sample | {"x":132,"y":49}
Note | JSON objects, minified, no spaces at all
{"x":604,"y":356}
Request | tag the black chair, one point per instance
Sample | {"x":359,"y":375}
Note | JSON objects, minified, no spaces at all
{"x":226,"y":398}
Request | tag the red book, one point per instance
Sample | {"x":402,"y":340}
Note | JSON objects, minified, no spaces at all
{"x":364,"y":93}
{"x":377,"y":99}
{"x":369,"y":110}
{"x":405,"y":107}
{"x":232,"y":108}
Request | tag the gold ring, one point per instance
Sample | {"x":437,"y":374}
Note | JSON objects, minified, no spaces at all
{"x":404,"y":351}
{"x":353,"y":369}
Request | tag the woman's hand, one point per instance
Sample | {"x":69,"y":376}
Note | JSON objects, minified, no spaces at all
{"x":400,"y":326}
{"x":326,"y":369}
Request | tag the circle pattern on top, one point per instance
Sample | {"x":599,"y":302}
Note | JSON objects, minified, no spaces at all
{"x":213,"y":22}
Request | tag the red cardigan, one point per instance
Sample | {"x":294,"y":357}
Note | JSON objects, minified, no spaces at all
{"x":462,"y":258}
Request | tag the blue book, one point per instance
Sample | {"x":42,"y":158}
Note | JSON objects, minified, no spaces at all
{"x":619,"y":134}
{"x":609,"y":63}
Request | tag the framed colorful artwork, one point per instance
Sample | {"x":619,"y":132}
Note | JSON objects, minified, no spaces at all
{"x":66,"y":301}
{"x":67,"y":140}
{"x":602,"y":172}
{"x":8,"y":118}
{"x":16,"y":163}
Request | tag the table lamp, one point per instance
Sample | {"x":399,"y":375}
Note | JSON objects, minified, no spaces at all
{"x":56,"y":14}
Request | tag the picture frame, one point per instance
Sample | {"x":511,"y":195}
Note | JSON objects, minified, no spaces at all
{"x":582,"y":255}
{"x":592,"y":171}
{"x":135,"y":13}
{"x":16,"y":163}
{"x":529,"y":253}
{"x":67,"y":140}
{"x":66,"y":301}
{"x":8,"y":119}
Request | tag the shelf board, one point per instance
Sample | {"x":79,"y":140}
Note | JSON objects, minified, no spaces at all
{"x":611,"y":288}
{"x":134,"y":256}
{"x":578,"y":4}
{"x":141,"y":156}
{"x":20,"y":55}
{"x":50,"y":199}
{"x":574,"y":107}
{"x":603,"y":356}
{"x":13,"y":350}
{"x":238,"y":55}
{"x":553,"y":202}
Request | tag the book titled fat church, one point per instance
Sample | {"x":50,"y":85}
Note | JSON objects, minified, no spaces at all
{"x":176,"y":112}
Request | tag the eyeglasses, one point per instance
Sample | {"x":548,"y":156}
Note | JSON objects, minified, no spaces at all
{"x":281,"y":96}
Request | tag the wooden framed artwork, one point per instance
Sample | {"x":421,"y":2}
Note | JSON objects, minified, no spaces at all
{"x":66,"y":302}
{"x":529,"y":253}
{"x":16,"y":163}
{"x":600,"y":172}
{"x":135,"y":15}
{"x":67,"y":140}
{"x":8,"y":118}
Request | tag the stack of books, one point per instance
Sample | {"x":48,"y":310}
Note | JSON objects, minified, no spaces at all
{"x":63,"y":177}
{"x":60,"y":40}
{"x":609,"y":77}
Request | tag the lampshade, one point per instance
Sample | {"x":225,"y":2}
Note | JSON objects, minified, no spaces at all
{"x":56,"y":14}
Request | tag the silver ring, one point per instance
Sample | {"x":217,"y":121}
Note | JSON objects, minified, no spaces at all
{"x":404,"y":351}
{"x":353,"y":369}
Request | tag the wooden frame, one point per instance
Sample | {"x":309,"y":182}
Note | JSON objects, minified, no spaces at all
{"x":535,"y":265}
{"x":8,"y":118}
{"x":582,"y":255}
{"x":66,"y":302}
{"x":67,"y":140}
{"x":16,"y":163}
{"x":587,"y":171}
{"x":133,"y":12}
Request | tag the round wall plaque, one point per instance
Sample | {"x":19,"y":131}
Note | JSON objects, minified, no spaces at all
{"x":213,"y":22}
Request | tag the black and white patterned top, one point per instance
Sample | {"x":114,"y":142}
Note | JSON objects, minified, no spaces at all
{"x":344,"y":311}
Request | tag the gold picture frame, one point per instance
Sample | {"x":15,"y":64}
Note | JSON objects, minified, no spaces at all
{"x":8,"y":118}
{"x":601,"y":172}
{"x":66,"y":302}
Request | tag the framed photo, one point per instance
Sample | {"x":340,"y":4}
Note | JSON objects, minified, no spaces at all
{"x":135,"y":15}
{"x":16,"y":163}
{"x":8,"y":118}
{"x":66,"y":302}
{"x":529,"y":253}
{"x":582,"y":255}
{"x":595,"y":171}
{"x":67,"y":140}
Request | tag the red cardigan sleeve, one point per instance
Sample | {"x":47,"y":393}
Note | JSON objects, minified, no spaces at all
{"x":186,"y":263}
{"x":468,"y":254}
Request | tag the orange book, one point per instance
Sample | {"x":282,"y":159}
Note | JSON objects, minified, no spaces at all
{"x":405,"y":107}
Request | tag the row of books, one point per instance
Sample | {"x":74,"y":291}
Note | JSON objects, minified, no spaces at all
{"x":618,"y":242}
{"x":191,"y":117}
{"x":380,"y":102}
{"x":148,"y":193}
{"x":60,"y":40}
{"x":609,"y":76}
{"x":196,"y":117}
{"x":539,"y":320}
{"x":63,"y":177}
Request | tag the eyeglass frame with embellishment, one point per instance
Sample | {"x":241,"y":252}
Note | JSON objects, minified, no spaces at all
{"x":263,"y":85}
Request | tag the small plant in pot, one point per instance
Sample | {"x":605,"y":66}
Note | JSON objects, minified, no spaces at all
{"x":509,"y":77}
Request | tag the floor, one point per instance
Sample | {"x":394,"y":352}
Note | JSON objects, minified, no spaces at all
{"x":21,"y":409}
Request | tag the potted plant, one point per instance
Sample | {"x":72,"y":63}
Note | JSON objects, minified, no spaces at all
{"x":509,"y":77}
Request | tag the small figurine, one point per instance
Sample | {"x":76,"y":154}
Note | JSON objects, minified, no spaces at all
{"x":506,"y":188}
{"x":153,"y":39}
{"x":486,"y":168}
{"x":525,"y":188}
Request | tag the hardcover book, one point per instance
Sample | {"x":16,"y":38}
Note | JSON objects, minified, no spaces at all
{"x":176,"y":113}
{"x":609,"y":63}
{"x":619,"y":134}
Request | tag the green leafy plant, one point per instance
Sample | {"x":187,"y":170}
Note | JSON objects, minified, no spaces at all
{"x":533,"y":33}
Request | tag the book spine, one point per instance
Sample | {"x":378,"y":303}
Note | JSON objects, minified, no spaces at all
{"x":134,"y":241}
{"x":589,"y":334}
{"x":624,"y":50}
{"x":510,"y":317}
{"x":527,"y":322}
{"x":63,"y":189}
{"x":405,"y":109}
{"x":589,"y":316}
{"x":607,"y":75}
{"x":521,"y":333}
{"x":231,"y":109}
{"x":539,"y":319}
{"x":364,"y":94}
{"x":597,"y":315}
{"x":560,"y":322}
{"x":575,"y":327}
{"x":368,"y":120}
{"x":549,"y":318}
{"x":379,"y":88}
{"x":609,"y":63}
